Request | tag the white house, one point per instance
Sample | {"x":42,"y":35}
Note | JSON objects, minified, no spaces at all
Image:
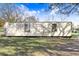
{"x":39,"y":29}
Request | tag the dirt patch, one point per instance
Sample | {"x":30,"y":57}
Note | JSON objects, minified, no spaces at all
{"x":40,"y":53}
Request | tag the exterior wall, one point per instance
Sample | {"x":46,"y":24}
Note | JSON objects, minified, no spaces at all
{"x":39,"y":29}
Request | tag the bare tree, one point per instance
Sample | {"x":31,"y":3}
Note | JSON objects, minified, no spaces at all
{"x":24,"y":15}
{"x":10,"y":12}
{"x":13,"y":13}
{"x":6,"y":12}
{"x":65,"y":9}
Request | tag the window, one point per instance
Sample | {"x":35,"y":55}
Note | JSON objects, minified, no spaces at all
{"x":27,"y":27}
{"x":54,"y":27}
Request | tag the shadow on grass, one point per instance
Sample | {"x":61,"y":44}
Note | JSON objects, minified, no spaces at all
{"x":22,"y":46}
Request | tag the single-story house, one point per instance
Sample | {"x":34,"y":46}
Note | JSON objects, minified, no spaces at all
{"x":38,"y":29}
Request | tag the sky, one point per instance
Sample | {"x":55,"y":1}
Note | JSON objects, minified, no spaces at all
{"x":38,"y":10}
{"x":36,"y":6}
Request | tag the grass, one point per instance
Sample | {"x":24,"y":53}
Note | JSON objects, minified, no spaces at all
{"x":75,"y":34}
{"x":7,"y":50}
{"x":1,"y":29}
{"x":28,"y":45}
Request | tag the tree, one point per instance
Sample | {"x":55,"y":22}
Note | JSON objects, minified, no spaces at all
{"x":64,"y":9}
{"x":7,"y":11}
{"x":12,"y":12}
{"x":31,"y":19}
{"x":2,"y":22}
{"x":24,"y":15}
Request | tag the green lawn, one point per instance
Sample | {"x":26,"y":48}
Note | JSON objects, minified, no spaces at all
{"x":1,"y":29}
{"x":75,"y":34}
{"x":29,"y":45}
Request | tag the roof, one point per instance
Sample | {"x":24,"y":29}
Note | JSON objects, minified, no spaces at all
{"x":48,"y":22}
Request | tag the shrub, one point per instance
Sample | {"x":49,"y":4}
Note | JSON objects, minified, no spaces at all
{"x":2,"y":22}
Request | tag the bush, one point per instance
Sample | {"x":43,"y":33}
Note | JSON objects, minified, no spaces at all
{"x":2,"y":22}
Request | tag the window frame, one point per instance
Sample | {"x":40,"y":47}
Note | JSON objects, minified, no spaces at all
{"x":54,"y":27}
{"x":26,"y":27}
